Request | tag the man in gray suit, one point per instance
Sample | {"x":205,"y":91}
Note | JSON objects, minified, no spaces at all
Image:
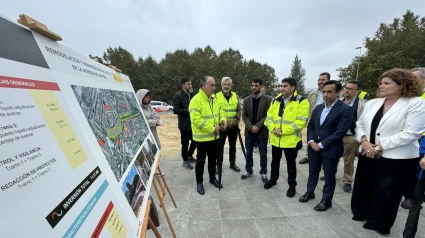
{"x":254,"y":113}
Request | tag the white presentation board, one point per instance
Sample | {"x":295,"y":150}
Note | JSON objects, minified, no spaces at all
{"x":76,"y":152}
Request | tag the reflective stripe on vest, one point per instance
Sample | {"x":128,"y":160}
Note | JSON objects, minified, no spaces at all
{"x":294,"y":118}
{"x":229,"y":107}
{"x":205,"y":113}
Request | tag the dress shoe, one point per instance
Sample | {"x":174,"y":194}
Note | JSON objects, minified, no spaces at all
{"x":303,"y":161}
{"x":270,"y":184}
{"x":191,"y":159}
{"x":307,"y":196}
{"x":235,"y":167}
{"x":347,"y":187}
{"x":200,"y":188}
{"x":215,"y":182}
{"x":323,"y":206}
{"x":322,"y":178}
{"x":291,"y":192}
{"x":407,"y":203}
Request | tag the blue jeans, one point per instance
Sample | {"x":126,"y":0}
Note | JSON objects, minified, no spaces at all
{"x":250,"y":141}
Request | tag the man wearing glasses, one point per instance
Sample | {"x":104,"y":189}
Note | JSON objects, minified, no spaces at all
{"x":350,"y":98}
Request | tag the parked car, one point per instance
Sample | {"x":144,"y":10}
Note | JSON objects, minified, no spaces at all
{"x":159,"y":106}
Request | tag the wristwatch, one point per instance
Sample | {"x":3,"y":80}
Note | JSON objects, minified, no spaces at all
{"x":377,"y":148}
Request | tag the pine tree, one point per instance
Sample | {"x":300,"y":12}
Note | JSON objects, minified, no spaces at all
{"x":298,"y":73}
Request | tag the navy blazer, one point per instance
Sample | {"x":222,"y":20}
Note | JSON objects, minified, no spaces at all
{"x":333,"y":129}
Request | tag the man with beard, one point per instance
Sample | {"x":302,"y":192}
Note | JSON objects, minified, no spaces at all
{"x":315,"y":98}
{"x":230,"y":104}
{"x":181,"y":107}
{"x":254,"y":113}
{"x":351,"y":91}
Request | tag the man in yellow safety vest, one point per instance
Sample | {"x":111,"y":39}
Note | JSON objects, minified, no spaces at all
{"x":286,"y":117}
{"x":229,"y":103}
{"x":205,"y":118}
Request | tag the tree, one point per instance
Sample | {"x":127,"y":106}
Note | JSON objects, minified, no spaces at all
{"x":124,"y":60}
{"x":163,"y":78}
{"x":298,"y":73}
{"x":400,"y":44}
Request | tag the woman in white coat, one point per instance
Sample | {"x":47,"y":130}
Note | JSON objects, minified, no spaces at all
{"x":144,"y":98}
{"x":388,"y":132}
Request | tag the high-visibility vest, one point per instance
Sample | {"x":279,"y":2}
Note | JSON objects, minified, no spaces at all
{"x":362,"y":94}
{"x":290,"y":118}
{"x":204,"y":116}
{"x":229,"y":107}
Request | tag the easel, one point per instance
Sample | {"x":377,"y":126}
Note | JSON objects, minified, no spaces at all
{"x":161,"y":194}
{"x":147,"y":219}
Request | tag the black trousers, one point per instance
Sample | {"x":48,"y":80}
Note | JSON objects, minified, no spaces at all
{"x":185,"y":138}
{"x":290,"y":155}
{"x":233,"y":136}
{"x":378,"y":189}
{"x":206,"y":148}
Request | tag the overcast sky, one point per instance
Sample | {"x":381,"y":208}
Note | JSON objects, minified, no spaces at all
{"x":323,"y":33}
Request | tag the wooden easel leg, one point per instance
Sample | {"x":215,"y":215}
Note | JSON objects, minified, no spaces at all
{"x":153,"y":227}
{"x":168,"y":189}
{"x":161,"y":202}
{"x":146,"y":219}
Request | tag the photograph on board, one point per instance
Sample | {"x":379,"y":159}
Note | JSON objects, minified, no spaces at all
{"x":153,"y":147}
{"x":143,"y":167}
{"x":117,"y":123}
{"x":134,"y":190}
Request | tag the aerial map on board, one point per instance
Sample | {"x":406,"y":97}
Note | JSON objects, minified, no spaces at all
{"x":117,"y":123}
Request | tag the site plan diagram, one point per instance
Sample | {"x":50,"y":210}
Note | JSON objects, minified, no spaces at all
{"x":117,"y":123}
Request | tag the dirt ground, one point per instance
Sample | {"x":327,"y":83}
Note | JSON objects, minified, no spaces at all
{"x":169,"y":133}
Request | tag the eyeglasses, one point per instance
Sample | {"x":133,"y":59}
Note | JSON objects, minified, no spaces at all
{"x":350,"y":89}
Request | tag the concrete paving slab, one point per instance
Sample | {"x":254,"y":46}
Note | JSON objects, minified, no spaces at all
{"x":243,"y":208}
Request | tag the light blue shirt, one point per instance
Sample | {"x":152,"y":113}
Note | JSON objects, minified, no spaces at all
{"x":323,"y":116}
{"x":325,"y":112}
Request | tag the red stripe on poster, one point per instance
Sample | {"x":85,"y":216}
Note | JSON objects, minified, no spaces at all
{"x":11,"y":82}
{"x":102,"y":221}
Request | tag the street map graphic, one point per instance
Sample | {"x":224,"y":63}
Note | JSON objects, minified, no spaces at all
{"x":116,"y":121}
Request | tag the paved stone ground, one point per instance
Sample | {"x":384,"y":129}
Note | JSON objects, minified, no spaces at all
{"x":243,"y":208}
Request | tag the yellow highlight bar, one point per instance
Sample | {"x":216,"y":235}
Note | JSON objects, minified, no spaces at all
{"x":58,"y":123}
{"x":117,"y":78}
{"x":116,"y":225}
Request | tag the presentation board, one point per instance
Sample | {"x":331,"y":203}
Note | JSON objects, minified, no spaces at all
{"x":76,"y":152}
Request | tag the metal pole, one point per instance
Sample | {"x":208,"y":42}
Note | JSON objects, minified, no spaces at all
{"x":358,"y":62}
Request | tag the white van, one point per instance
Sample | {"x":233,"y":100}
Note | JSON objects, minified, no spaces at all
{"x":161,"y":106}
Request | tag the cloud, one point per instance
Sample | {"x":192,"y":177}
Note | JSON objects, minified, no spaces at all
{"x":324,"y":33}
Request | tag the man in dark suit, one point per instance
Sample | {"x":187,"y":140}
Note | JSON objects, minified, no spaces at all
{"x":329,"y":123}
{"x":254,"y":113}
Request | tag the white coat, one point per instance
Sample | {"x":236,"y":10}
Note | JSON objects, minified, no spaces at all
{"x":399,"y":129}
